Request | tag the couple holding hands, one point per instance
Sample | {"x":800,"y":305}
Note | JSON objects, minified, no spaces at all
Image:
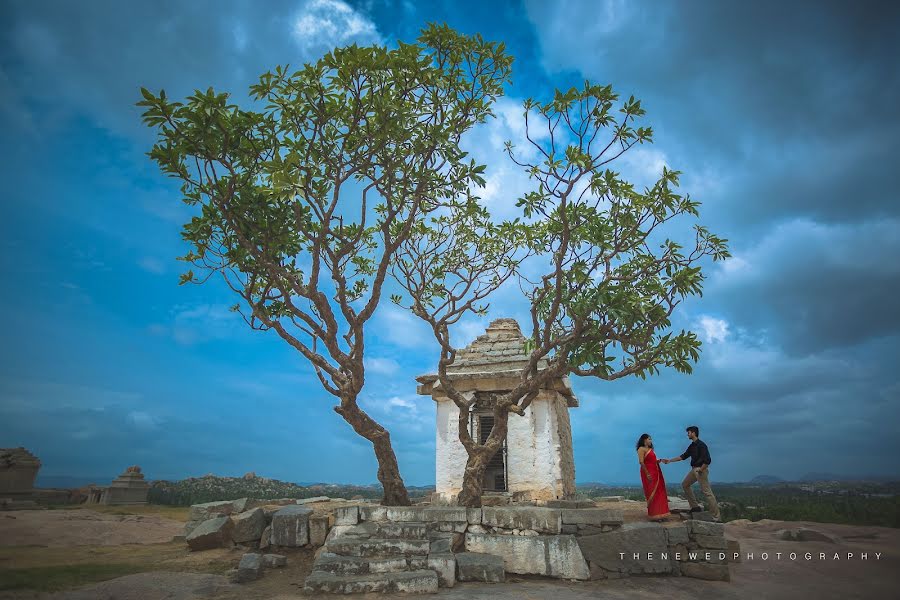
{"x":655,"y":485}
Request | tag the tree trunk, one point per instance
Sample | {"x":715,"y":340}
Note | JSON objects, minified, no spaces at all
{"x":473,"y":480}
{"x":479,"y":457}
{"x":395,"y":493}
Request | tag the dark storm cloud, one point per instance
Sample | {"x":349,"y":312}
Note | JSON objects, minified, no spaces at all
{"x":795,"y":102}
{"x":92,"y":58}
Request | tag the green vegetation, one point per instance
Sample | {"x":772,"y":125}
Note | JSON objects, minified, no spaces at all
{"x":211,"y":488}
{"x":850,"y":503}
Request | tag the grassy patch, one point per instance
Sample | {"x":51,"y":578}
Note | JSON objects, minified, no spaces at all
{"x":60,"y":577}
{"x":176,"y":513}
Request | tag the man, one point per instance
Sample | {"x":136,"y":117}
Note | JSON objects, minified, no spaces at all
{"x":700,"y":461}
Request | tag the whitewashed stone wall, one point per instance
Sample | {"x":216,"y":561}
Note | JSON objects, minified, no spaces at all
{"x":539,"y":450}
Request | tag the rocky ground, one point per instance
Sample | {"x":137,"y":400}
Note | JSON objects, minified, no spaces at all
{"x":81,"y":539}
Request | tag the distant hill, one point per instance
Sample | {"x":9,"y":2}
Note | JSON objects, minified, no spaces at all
{"x":210,"y":488}
{"x":766,"y":480}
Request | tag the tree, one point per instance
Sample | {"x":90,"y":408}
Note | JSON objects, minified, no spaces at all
{"x":304,"y":202}
{"x":607,"y":286}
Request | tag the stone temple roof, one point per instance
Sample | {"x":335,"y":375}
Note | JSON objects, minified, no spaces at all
{"x":18,"y":457}
{"x":499,"y":353}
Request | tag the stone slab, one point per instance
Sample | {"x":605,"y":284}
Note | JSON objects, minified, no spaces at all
{"x":478,"y":566}
{"x":604,"y":549}
{"x":318,"y":531}
{"x":421,"y":582}
{"x":445,"y":567}
{"x":348,"y":515}
{"x":542,"y":520}
{"x":592,"y":516}
{"x":708,"y":571}
{"x":248,"y":525}
{"x":557,"y":556}
{"x":212,"y":533}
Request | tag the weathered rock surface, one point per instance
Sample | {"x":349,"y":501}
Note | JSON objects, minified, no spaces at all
{"x":250,"y":568}
{"x":213,"y":533}
{"x":290,"y":526}
{"x":604,"y":549}
{"x":421,"y":582}
{"x":543,"y":520}
{"x":248,"y":525}
{"x":553,"y":556}
{"x":477,"y":566}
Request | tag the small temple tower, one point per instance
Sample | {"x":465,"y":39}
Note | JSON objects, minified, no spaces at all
{"x":536,"y":459}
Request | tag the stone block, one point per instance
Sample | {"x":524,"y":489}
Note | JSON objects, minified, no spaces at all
{"x":605,"y":549}
{"x":274,"y":560}
{"x":348,"y":515}
{"x":212,"y":533}
{"x":705,"y":528}
{"x":677,"y":534}
{"x":570,"y":529}
{"x":378,"y":547}
{"x":592,"y":516}
{"x":303,"y":501}
{"x":473,"y":515}
{"x":543,"y":520}
{"x":248,"y":526}
{"x":703,"y":570}
{"x":410,"y":582}
{"x":250,"y":568}
{"x":441,"y":546}
{"x":444,"y":514}
{"x":445,"y":567}
{"x":210,"y":510}
{"x":318,"y":531}
{"x":290,"y":526}
{"x":551,"y":555}
{"x":476,"y":566}
{"x":264,"y":539}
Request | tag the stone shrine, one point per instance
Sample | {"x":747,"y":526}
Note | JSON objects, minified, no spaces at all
{"x":18,"y":470}
{"x":127,"y":488}
{"x":536,"y":460}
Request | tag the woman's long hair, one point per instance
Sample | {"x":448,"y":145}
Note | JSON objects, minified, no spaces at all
{"x":641,"y":439}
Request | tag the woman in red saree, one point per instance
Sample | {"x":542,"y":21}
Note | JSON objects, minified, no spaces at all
{"x":652,"y":480}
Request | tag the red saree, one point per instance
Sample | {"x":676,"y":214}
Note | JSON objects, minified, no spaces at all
{"x":655,"y":490}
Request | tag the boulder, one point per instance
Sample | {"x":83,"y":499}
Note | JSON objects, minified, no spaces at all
{"x":210,"y":510}
{"x":250,"y":568}
{"x":248,"y":525}
{"x":290,"y":526}
{"x":274,"y":560}
{"x":476,"y":566}
{"x":213,"y":533}
{"x":265,"y":537}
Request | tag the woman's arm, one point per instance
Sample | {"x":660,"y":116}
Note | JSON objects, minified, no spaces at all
{"x":642,"y":452}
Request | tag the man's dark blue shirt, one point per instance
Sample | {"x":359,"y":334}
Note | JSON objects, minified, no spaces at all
{"x":698,"y":452}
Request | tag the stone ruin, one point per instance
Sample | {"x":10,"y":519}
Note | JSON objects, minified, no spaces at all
{"x":536,"y":461}
{"x":366,"y":547}
{"x":129,"y":488}
{"x":18,"y":470}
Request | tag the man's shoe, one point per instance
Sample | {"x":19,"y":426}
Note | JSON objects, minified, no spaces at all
{"x":696,"y":509}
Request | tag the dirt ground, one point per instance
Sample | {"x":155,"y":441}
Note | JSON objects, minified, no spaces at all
{"x":167,"y":570}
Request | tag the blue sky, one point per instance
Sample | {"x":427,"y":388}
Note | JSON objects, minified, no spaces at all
{"x":782,"y":117}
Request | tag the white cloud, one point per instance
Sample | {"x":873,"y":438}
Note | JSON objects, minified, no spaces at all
{"x":401,"y":328}
{"x":152,"y":265}
{"x":712,"y":329}
{"x":143,"y":420}
{"x":204,"y":322}
{"x":381,"y":366}
{"x":324,"y":24}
